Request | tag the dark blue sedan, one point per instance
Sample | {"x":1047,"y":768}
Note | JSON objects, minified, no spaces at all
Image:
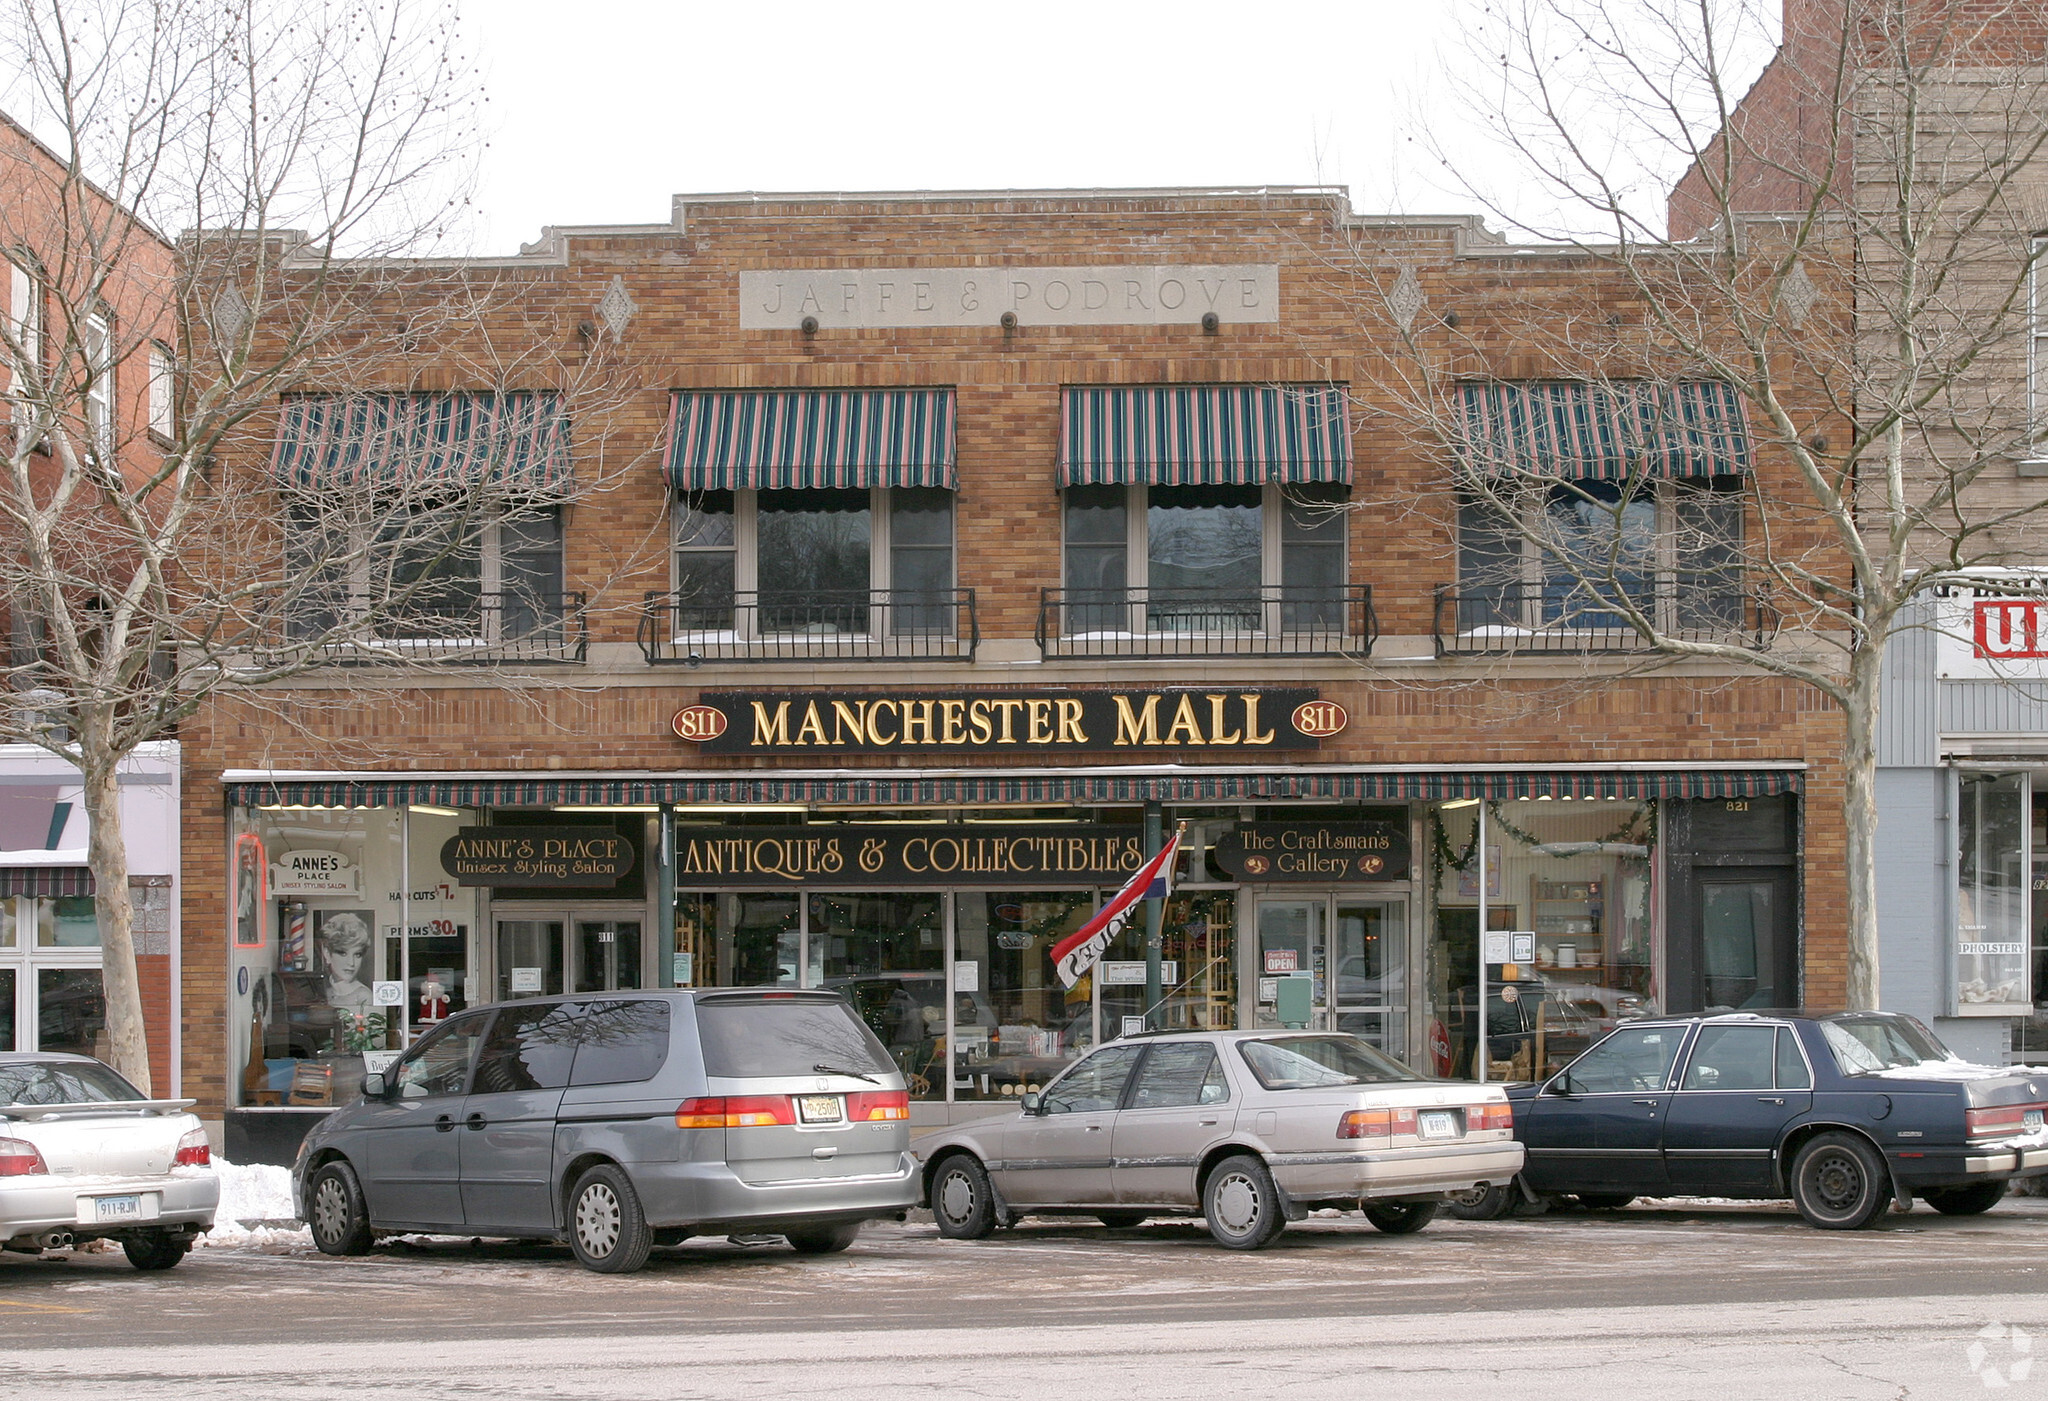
{"x":1842,"y":1113}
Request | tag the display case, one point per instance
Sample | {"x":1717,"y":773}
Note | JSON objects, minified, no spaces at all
{"x":1570,"y":923}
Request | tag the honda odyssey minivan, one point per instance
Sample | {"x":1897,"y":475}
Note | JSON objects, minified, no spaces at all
{"x":621,"y":1121}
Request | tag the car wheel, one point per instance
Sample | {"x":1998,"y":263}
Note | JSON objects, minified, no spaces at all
{"x":1966,"y":1201}
{"x":1401,"y":1218}
{"x":1603,"y":1201}
{"x":1483,"y":1203}
{"x":1242,"y":1204}
{"x":607,"y":1229}
{"x":823,"y":1240}
{"x":154,"y":1250}
{"x":1121,"y":1220}
{"x":1839,"y":1183}
{"x":962,"y":1203}
{"x":335,"y":1210}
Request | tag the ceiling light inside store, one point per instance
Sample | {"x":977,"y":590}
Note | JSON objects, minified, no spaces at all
{"x":725,"y":809}
{"x":1461,"y":803}
{"x":432,"y":811}
{"x":607,"y":807}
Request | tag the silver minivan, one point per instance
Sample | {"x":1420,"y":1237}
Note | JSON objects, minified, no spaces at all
{"x":622,"y":1121}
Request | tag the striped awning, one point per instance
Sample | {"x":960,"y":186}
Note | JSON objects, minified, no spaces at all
{"x":780,"y":439}
{"x":516,"y":440}
{"x":45,"y":880}
{"x":886,"y":789}
{"x":1205,"y":434}
{"x":1571,"y":430}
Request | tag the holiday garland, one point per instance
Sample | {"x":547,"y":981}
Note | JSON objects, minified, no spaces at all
{"x":1441,"y":854}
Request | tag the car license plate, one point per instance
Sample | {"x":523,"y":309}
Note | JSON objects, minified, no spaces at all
{"x":821,"y":1109}
{"x":1439,"y":1123}
{"x":117,"y":1208}
{"x":2033,"y":1119}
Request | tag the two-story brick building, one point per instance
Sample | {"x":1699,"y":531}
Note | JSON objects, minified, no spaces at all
{"x":974,"y":541}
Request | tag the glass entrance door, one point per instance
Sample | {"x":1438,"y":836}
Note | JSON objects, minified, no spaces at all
{"x":607,"y":954}
{"x":530,"y":956}
{"x":1353,"y":948}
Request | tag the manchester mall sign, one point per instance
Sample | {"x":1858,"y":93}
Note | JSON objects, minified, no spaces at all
{"x":1232,"y":721}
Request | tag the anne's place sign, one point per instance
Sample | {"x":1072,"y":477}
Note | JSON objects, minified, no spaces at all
{"x":1138,"y":294}
{"x":308,"y":871}
{"x":537,"y":857}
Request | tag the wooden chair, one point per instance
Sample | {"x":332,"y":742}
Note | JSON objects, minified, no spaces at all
{"x":312,"y":1083}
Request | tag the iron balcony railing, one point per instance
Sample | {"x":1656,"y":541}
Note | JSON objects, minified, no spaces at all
{"x":459,"y":627}
{"x":1562,"y":618}
{"x":1279,"y":620}
{"x":937,"y":625}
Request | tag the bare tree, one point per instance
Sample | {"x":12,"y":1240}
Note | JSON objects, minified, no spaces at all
{"x":1840,"y":253}
{"x":321,"y":149}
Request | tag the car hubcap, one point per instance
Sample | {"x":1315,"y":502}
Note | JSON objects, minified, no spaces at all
{"x":330,"y":1209}
{"x":956,"y":1197}
{"x":1475,"y":1197}
{"x":1237,"y":1202}
{"x":1837,"y":1182}
{"x":597,"y":1221}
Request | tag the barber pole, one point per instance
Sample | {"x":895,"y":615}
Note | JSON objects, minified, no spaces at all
{"x":1074,"y":955}
{"x":294,"y":936}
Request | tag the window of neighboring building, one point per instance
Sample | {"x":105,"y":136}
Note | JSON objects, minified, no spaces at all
{"x":99,"y":387}
{"x":1587,"y":551}
{"x":814,"y":561}
{"x":2037,"y":354}
{"x":162,"y":392}
{"x":51,"y":994}
{"x":25,"y":313}
{"x":1203,"y":558}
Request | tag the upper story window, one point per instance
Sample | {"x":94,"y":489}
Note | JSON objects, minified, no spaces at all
{"x":812,"y":513}
{"x":2037,"y":354}
{"x":24,"y":324}
{"x":1204,"y":509}
{"x":163,"y":390}
{"x":1599,"y":502}
{"x":99,"y":386}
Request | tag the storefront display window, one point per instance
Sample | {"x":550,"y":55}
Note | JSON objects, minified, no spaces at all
{"x":1571,"y":945}
{"x":1992,"y":938}
{"x":1014,"y":1025}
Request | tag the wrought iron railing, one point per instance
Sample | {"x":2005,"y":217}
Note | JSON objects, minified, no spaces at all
{"x":764,"y":625}
{"x":1564,"y":618}
{"x":1281,"y":620}
{"x":481,"y":628}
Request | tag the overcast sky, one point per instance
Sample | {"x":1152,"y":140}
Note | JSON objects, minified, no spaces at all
{"x":603,"y":109}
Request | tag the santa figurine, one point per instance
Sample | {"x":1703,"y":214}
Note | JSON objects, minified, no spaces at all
{"x":433,"y":1001}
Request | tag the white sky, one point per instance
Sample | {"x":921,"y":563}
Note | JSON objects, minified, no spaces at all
{"x":602,"y":109}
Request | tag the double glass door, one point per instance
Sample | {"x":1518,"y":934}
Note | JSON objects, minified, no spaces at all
{"x":1355,"y":949}
{"x":545,"y":952}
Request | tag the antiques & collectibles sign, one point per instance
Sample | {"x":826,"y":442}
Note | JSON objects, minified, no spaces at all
{"x":888,"y":855}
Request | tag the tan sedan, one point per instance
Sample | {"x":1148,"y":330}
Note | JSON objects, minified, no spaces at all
{"x":1249,"y":1129}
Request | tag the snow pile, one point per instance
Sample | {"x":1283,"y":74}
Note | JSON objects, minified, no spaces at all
{"x":258,"y":1192}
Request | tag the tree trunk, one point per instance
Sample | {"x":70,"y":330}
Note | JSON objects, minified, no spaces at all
{"x":1859,"y":793}
{"x":107,"y":855}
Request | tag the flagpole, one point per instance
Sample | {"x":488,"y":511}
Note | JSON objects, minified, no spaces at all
{"x":1155,"y":914}
{"x":1480,"y":1051}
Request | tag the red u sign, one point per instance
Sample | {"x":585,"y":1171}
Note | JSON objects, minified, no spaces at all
{"x":2009,"y":627}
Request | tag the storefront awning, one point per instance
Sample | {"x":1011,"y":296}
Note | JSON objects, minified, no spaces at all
{"x":1205,"y":435}
{"x":884,"y":788}
{"x":519,"y":441}
{"x":1573,"y":431}
{"x":48,"y":881}
{"x":810,"y":438}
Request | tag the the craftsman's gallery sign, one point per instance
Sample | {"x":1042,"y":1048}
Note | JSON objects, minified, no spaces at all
{"x":1224,"y":720}
{"x":1314,"y":851}
{"x":537,"y":857}
{"x":935,"y":854}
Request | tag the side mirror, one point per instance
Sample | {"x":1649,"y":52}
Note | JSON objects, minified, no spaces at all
{"x":373,"y":1085}
{"x":1033,"y":1104}
{"x":1560,"y":1085}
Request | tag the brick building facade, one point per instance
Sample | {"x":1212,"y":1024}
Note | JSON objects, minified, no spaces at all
{"x":925,"y":558}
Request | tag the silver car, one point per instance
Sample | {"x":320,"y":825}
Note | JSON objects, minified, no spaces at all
{"x":84,"y":1155}
{"x":621,"y":1121}
{"x":1250,"y":1129}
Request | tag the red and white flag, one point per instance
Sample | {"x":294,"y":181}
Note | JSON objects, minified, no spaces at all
{"x":1081,"y":950}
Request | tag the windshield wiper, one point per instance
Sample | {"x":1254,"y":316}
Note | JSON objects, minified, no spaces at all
{"x":824,"y":1069}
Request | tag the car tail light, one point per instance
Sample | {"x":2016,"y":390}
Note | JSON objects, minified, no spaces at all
{"x":193,"y":1150}
{"x":20,"y":1158}
{"x":1480,"y":1117}
{"x":1381,"y":1124}
{"x":735,"y":1112}
{"x":1998,"y":1120}
{"x":865,"y":1106}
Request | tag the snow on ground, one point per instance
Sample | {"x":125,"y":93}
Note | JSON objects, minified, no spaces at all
{"x":254,"y":1192}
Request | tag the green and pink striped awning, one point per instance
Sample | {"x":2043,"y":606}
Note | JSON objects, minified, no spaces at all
{"x":46,"y":881}
{"x":519,"y":441}
{"x":1205,"y":434}
{"x":885,"y":789}
{"x":808,"y":439}
{"x":1621,"y":430}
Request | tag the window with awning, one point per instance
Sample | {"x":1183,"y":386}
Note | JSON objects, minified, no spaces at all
{"x":1620,"y":430}
{"x":810,"y":439}
{"x":1204,"y":435}
{"x":515,"y":440}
